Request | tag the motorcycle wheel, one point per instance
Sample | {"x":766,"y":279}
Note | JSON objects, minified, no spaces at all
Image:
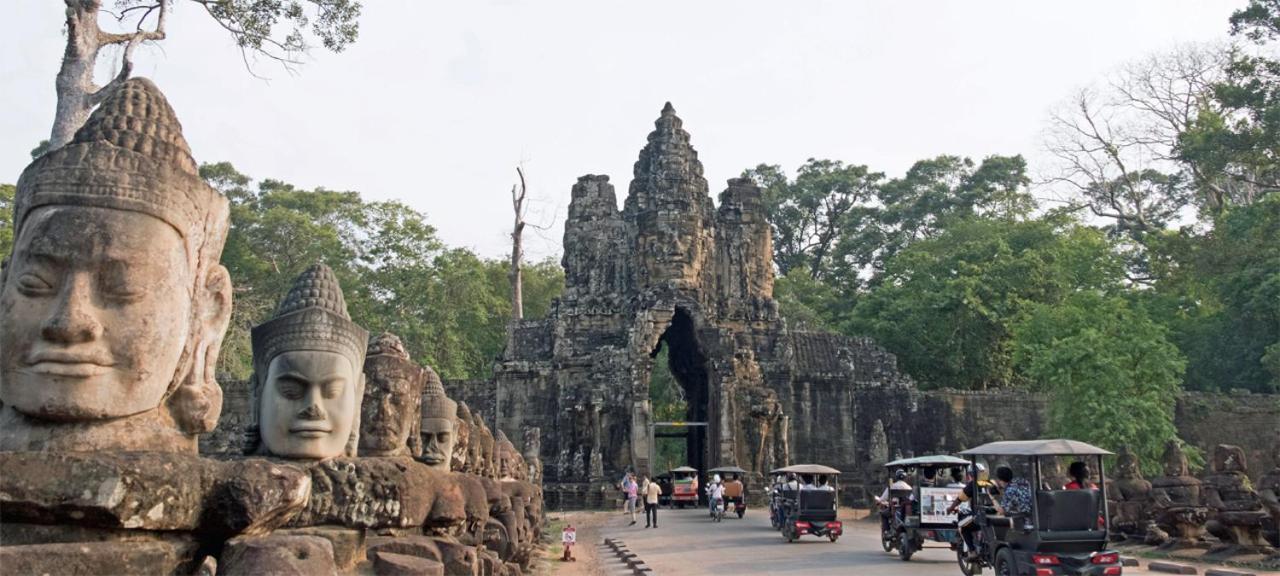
{"x":1005,"y":563}
{"x":905,"y":548}
{"x":886,"y":540}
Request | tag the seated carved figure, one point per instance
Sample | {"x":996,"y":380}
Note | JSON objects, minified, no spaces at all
{"x":1237,"y":515}
{"x":1269,"y":492}
{"x":390,"y":412}
{"x":1130,"y":495}
{"x":307,"y":377}
{"x":113,"y":305}
{"x":439,"y":424}
{"x":1177,"y":504}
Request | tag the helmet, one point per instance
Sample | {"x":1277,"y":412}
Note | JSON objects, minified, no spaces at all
{"x":716,"y":479}
{"x":900,"y":475}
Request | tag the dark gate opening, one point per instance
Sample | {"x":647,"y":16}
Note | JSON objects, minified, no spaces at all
{"x":679,"y":392}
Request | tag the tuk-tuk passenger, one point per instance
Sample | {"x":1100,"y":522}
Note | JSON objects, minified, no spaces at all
{"x":957,"y":478}
{"x":930,"y":478}
{"x":1015,"y":493}
{"x":824,"y":483}
{"x":1079,"y":472}
{"x":807,"y":482}
{"x":733,"y":488}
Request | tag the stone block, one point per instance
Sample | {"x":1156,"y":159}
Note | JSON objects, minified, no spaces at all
{"x":154,"y":557}
{"x":1171,"y":568}
{"x":348,"y":543}
{"x":277,"y":555}
{"x":391,"y":564}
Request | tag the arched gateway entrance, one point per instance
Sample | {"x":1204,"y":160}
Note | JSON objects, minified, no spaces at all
{"x":680,"y":400}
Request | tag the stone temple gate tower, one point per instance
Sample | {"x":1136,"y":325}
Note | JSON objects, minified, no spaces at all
{"x":673,"y":270}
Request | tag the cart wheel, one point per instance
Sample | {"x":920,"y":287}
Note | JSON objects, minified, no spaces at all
{"x":741,"y":511}
{"x":833,"y":537}
{"x":905,"y":548}
{"x":1005,"y":563}
{"x":967,"y":567}
{"x":790,"y":537}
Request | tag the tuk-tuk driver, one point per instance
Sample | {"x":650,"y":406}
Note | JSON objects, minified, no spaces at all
{"x":899,"y":483}
{"x":972,"y":489}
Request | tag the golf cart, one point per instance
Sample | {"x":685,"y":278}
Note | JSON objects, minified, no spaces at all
{"x":1065,"y":532}
{"x":920,"y":514}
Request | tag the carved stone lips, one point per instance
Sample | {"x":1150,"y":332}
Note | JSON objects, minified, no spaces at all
{"x":68,"y":364}
{"x":310,"y":430}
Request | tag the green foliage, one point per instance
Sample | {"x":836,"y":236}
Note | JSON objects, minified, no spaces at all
{"x":666,"y":400}
{"x":946,"y":306}
{"x":281,"y":29}
{"x":1112,"y":375}
{"x":7,"y":192}
{"x":449,"y":306}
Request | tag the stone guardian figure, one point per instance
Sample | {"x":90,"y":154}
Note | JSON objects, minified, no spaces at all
{"x":439,"y":424}
{"x":390,"y":414}
{"x":113,"y":305}
{"x":307,"y":378}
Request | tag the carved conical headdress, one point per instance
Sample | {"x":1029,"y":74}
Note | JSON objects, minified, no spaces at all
{"x":435,"y":404}
{"x":313,"y":316}
{"x":130,"y":155}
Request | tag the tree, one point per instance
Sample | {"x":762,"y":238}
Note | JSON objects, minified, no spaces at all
{"x":7,"y":192}
{"x":1112,"y":375}
{"x":1117,"y":145}
{"x":809,"y":214}
{"x":519,"y":194}
{"x":256,"y":26}
{"x":947,"y":305}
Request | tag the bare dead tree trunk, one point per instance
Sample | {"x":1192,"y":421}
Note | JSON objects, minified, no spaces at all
{"x":77,"y":94}
{"x":518,"y":194}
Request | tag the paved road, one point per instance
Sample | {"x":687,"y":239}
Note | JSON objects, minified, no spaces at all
{"x":688,"y":542}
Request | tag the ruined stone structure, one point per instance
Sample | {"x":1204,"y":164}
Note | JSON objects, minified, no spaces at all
{"x":672,"y":270}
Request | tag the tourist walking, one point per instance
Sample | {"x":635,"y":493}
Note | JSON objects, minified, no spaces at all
{"x":631,"y":488}
{"x":652,"y":491}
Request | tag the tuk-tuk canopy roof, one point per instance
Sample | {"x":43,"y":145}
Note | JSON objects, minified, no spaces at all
{"x":806,"y":469}
{"x":938,"y":461}
{"x":1056,"y":447}
{"x":684,"y":469}
{"x":727,"y":470}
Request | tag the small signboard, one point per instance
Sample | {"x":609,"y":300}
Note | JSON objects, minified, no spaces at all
{"x":569,"y":535}
{"x":934,"y":503}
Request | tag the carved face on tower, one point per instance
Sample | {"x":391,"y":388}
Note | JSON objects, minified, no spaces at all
{"x":439,"y":425}
{"x":112,"y":305}
{"x":390,"y":414}
{"x":307,"y":382}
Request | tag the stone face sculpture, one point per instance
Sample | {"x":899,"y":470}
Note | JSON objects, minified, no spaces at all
{"x":1130,"y":495}
{"x":113,"y":305}
{"x":390,"y":414}
{"x":439,"y":424}
{"x":1237,"y":515}
{"x":307,"y":383}
{"x":462,"y":447}
{"x":532,"y":454}
{"x":1269,"y":492}
{"x":1177,"y":503}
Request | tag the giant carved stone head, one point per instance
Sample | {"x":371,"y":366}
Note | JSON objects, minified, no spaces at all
{"x":390,"y":415}
{"x":439,"y":424}
{"x":307,"y":378}
{"x":113,"y":306}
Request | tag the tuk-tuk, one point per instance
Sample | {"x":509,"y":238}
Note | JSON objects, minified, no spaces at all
{"x":1065,"y":530}
{"x":921,"y":514}
{"x":664,"y":482}
{"x":808,"y":503}
{"x":684,"y":486}
{"x":735,"y":489}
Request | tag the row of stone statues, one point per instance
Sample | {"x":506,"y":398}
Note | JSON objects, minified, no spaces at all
{"x":1178,"y":509}
{"x":113,"y":307}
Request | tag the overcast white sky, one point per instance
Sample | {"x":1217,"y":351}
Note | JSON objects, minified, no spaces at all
{"x":438,"y":101}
